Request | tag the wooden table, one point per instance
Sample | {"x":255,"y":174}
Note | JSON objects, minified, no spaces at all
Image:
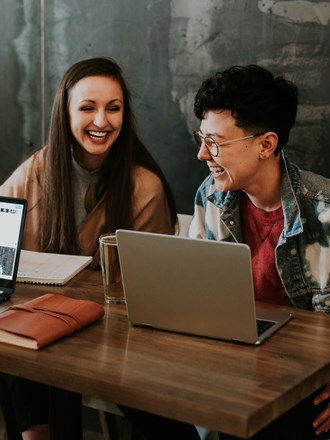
{"x":223,"y":386}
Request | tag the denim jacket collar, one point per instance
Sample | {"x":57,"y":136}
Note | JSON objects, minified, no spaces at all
{"x":227,"y":202}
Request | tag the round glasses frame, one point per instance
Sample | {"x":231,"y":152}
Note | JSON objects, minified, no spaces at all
{"x":213,"y":146}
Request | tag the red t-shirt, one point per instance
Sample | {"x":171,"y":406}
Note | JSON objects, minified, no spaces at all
{"x":261,"y":231}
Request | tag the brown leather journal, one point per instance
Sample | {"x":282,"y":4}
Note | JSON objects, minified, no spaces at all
{"x":45,"y":319}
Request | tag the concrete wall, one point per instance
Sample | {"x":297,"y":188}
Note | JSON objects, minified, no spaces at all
{"x":166,"y":49}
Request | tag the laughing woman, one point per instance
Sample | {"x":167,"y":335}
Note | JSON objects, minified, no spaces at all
{"x":94,"y":176}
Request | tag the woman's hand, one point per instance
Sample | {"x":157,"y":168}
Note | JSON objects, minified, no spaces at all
{"x":322,"y":422}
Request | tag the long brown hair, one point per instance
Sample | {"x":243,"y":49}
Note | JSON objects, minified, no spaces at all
{"x":58,"y":226}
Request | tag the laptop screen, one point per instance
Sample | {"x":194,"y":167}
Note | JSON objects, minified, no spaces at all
{"x":12,"y":220}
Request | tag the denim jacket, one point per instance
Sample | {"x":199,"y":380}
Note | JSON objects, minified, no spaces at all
{"x":303,"y":249}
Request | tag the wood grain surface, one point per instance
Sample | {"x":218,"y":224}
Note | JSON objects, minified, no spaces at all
{"x":223,"y":386}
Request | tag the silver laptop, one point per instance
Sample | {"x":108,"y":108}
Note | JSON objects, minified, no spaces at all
{"x":12,"y":221}
{"x":192,"y":286}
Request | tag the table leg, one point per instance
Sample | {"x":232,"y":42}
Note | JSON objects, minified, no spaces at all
{"x":65,"y":415}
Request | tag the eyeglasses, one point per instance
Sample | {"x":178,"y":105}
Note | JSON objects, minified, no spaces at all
{"x":213,"y":146}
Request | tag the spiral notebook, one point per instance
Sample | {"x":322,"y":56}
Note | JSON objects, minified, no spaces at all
{"x":48,"y":268}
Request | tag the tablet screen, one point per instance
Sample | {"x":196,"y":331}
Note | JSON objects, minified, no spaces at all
{"x":12,"y":219}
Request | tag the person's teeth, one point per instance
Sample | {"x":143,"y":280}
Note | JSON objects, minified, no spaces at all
{"x":216,"y":170}
{"x":98,"y":134}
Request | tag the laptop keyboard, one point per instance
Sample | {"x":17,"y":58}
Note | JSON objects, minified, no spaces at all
{"x":263,"y":326}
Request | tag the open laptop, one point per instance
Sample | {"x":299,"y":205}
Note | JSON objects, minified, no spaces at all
{"x":192,"y":286}
{"x":12,"y":221}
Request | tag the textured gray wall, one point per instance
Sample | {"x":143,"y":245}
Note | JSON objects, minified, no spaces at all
{"x":166,"y":49}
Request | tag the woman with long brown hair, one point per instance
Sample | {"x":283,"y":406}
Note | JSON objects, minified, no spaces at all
{"x":94,"y":176}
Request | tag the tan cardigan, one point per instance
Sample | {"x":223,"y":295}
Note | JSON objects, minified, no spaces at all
{"x":150,"y":209}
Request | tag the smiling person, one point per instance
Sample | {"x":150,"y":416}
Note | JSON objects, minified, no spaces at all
{"x":94,"y":176}
{"x":255,"y":195}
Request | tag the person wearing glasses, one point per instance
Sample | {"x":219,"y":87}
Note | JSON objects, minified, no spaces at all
{"x":255,"y":195}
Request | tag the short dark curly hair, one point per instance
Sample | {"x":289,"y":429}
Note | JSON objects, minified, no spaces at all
{"x":257,"y":99}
